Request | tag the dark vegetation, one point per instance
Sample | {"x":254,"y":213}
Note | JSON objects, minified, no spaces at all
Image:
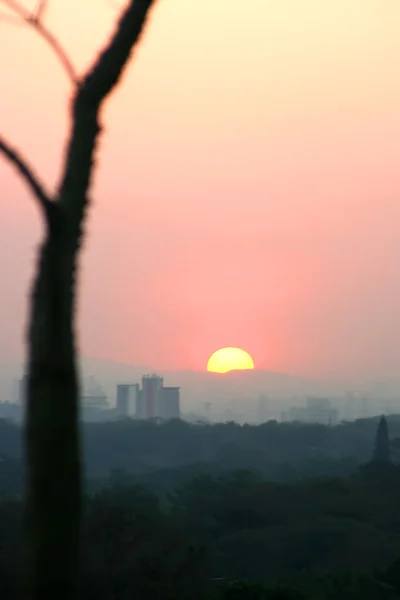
{"x":223,"y":512}
{"x":166,"y":455}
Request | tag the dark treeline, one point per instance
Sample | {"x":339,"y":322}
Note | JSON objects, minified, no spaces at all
{"x":223,"y":512}
{"x":281,"y":451}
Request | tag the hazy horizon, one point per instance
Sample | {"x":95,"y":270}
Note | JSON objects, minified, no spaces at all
{"x":246,"y":191}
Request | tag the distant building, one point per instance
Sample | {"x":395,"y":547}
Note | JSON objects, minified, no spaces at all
{"x":154,"y":401}
{"x":317,"y":410}
{"x":95,"y":401}
{"x":150,"y":397}
{"x":141,"y":411}
{"x":21,"y":390}
{"x":93,"y":395}
{"x":262,"y":409}
{"x":365,"y":407}
{"x":127,"y":399}
{"x":171,"y":402}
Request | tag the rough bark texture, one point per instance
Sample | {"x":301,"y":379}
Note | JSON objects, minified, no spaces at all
{"x":52,"y":439}
{"x":52,"y":428}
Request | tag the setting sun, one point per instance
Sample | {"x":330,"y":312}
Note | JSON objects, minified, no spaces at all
{"x":229,"y":359}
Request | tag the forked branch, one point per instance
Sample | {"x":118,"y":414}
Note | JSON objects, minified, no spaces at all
{"x":34,"y":19}
{"x":28,"y":175}
{"x":95,"y":86}
{"x":107,"y":69}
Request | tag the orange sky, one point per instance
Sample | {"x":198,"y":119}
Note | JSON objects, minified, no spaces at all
{"x":247,"y":184}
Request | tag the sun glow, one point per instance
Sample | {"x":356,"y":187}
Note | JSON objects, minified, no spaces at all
{"x":229,"y":359}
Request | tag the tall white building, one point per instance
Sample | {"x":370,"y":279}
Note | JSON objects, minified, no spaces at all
{"x":150,"y":403}
{"x":127,"y":399}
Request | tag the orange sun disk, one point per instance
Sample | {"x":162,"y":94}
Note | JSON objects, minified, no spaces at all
{"x":229,"y":359}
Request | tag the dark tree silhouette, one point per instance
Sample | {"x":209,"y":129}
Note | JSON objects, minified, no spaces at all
{"x":381,"y":453}
{"x":52,"y":439}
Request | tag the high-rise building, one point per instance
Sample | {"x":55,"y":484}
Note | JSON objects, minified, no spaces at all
{"x":170,"y":402}
{"x":151,"y":396}
{"x":127,"y":397}
{"x":154,"y":401}
{"x":140,"y":406}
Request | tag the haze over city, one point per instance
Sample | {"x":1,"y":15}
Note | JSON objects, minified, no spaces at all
{"x":246,"y":192}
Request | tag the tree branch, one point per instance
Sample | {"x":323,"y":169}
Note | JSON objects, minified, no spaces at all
{"x":35,"y":21}
{"x":98,"y":82}
{"x":26,"y":172}
{"x":107,"y":69}
{"x":40,"y":9}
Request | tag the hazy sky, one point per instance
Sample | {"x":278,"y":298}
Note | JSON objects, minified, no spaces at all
{"x":247,"y":189}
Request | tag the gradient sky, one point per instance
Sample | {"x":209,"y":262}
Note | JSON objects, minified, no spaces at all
{"x":247,"y":189}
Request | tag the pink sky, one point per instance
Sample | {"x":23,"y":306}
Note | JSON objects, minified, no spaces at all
{"x":247,"y":190}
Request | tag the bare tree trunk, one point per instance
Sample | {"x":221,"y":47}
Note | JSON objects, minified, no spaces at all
{"x":52,"y":431}
{"x":52,"y":438}
{"x":52,"y":425}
